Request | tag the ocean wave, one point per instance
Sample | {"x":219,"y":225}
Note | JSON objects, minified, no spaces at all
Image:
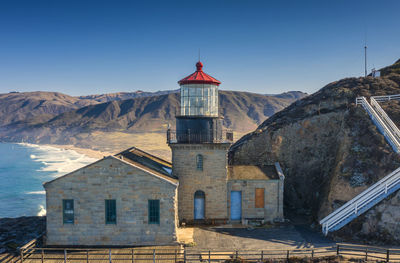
{"x":56,"y":160}
{"x":36,"y":193}
{"x":41,"y":211}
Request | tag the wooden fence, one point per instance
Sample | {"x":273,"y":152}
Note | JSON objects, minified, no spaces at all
{"x":168,"y":255}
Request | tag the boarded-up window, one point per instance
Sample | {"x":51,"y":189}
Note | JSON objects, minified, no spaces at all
{"x":259,"y":197}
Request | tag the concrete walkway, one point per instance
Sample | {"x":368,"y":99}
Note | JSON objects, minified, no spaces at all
{"x":234,"y":238}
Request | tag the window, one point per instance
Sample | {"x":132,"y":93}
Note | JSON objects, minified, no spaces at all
{"x":259,"y":198}
{"x":199,"y":162}
{"x":68,"y":211}
{"x":154,"y":211}
{"x":111,"y":212}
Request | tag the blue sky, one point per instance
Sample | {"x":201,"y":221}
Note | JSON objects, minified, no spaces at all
{"x":92,"y":47}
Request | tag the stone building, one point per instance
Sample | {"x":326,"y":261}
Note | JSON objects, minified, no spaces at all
{"x":135,"y":198}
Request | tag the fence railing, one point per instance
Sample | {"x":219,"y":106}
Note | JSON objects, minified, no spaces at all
{"x":361,"y":202}
{"x":389,"y":123}
{"x":50,"y":255}
{"x":386,"y":97}
{"x":193,"y":136}
{"x":383,"y":128}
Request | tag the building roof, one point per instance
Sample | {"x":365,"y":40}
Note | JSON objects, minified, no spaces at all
{"x":199,"y":77}
{"x":147,"y":162}
{"x":140,"y":160}
{"x":252,"y":172}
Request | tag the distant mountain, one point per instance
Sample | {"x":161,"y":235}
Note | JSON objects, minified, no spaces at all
{"x":59,"y":118}
{"x":37,"y":106}
{"x":125,"y":95}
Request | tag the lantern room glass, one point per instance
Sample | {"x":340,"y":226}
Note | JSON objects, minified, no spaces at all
{"x":199,"y":100}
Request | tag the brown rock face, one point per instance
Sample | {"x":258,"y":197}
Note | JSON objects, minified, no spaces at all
{"x":328,"y":147}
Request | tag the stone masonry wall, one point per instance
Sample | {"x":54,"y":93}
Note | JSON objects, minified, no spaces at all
{"x":212,"y":179}
{"x":111,"y":178}
{"x":273,"y":198}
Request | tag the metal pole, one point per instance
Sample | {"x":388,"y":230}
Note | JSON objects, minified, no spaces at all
{"x":109,"y":255}
{"x":175,"y":255}
{"x":154,"y":256}
{"x":237,"y":254}
{"x":312,"y":254}
{"x":387,"y":255}
{"x":262,"y":255}
{"x":42,"y":256}
{"x":133,"y":256}
{"x":287,"y":256}
{"x":209,"y":256}
{"x":365,"y":62}
{"x":337,"y":250}
{"x":184,"y":256}
{"x":366,"y":254}
{"x":22,"y":255}
{"x":65,"y":256}
{"x":87,"y":256}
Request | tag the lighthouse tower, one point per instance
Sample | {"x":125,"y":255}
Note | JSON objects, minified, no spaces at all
{"x":199,"y":150}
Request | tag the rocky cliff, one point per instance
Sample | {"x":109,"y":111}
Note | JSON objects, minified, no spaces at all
{"x":329,"y":149}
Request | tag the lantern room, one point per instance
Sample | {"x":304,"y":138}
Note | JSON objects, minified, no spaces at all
{"x":199,"y":94}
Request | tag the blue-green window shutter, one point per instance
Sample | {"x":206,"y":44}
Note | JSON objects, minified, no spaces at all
{"x":68,"y":211}
{"x":111,"y":211}
{"x":154,"y":211}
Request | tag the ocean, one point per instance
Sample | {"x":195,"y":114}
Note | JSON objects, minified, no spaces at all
{"x":23,"y":170}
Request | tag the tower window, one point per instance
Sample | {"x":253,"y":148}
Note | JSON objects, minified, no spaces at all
{"x":199,"y":162}
{"x":111,"y":212}
{"x":68,"y":211}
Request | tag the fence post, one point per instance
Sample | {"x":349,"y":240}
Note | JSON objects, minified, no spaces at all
{"x":175,"y":255}
{"x":22,"y":255}
{"x":109,"y":255}
{"x":387,"y":255}
{"x":65,"y":256}
{"x":209,"y":256}
{"x":133,"y":255}
{"x":154,"y":256}
{"x":87,"y":256}
{"x":312,"y":254}
{"x":184,"y":255}
{"x":287,"y":256}
{"x":337,"y":250}
{"x":366,"y":254}
{"x":262,"y":255}
{"x":237,"y":254}
{"x":42,"y":256}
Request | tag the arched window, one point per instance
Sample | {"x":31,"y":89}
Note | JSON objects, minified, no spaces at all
{"x":199,"y":205}
{"x":199,"y":162}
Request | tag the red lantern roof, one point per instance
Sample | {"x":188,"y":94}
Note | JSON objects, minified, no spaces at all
{"x":199,"y":77}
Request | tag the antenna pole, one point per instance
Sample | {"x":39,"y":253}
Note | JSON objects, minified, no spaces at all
{"x":365,"y":59}
{"x":199,"y":54}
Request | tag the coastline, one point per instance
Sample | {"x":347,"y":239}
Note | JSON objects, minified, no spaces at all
{"x":85,"y":151}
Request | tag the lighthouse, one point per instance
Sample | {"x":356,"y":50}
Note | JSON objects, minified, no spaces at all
{"x":199,"y":147}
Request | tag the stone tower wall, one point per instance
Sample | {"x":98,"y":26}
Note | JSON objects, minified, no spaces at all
{"x":212,"y":180}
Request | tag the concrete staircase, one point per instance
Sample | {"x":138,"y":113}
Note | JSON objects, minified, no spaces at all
{"x":384,"y":187}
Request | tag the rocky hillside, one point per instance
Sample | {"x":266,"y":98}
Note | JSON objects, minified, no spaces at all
{"x":329,"y":149}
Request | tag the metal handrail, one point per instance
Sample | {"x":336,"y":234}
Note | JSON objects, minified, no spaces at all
{"x":386,"y":97}
{"x":386,"y":118}
{"x":355,"y":205}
